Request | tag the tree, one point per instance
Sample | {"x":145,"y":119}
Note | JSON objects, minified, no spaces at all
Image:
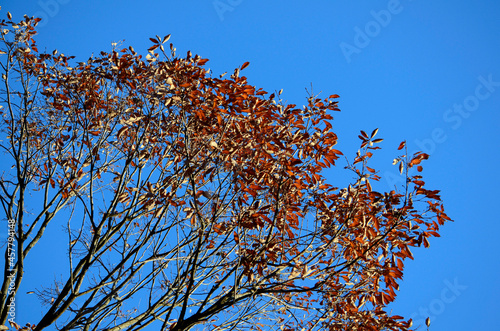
{"x":194,"y":202}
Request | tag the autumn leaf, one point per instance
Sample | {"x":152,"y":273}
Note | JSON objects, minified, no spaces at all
{"x":244,"y":65}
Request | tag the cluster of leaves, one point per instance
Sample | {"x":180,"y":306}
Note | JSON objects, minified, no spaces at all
{"x":203,"y":197}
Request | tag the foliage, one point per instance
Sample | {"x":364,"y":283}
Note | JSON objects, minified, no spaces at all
{"x":195,"y":202}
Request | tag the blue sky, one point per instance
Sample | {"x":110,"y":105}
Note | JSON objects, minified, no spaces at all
{"x":419,"y":70}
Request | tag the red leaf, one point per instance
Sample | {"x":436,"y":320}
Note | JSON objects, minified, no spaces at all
{"x":402,"y":145}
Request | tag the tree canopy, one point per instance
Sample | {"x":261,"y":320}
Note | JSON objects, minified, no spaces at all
{"x":191,"y":201}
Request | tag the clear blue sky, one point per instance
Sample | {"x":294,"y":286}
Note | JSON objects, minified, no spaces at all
{"x":425,"y":71}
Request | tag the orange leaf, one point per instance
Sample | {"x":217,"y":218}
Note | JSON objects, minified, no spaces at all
{"x":152,"y":48}
{"x":368,"y":186}
{"x":400,"y":264}
{"x":244,"y":65}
